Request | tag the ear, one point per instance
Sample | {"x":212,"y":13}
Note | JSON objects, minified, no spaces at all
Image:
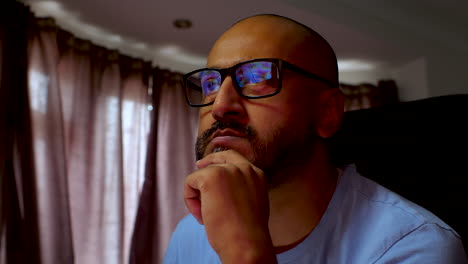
{"x":330,"y":112}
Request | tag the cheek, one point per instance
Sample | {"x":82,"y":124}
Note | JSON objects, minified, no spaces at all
{"x":205,"y":120}
{"x":297,"y":119}
{"x":268,"y":123}
{"x":304,"y":109}
{"x":265,"y":126}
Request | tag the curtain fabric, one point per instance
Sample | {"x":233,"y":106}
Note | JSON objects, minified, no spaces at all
{"x":177,"y":130}
{"x":75,"y":130}
{"x":161,"y":202}
{"x":106,"y":129}
{"x":367,"y":95}
{"x":19,"y":238}
{"x":49,"y":173}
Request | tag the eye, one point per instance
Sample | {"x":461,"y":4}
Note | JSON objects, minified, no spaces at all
{"x":210,"y":82}
{"x":210,"y":86}
{"x":253,"y":73}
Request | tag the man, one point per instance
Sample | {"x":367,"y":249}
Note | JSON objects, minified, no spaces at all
{"x":265,"y":190}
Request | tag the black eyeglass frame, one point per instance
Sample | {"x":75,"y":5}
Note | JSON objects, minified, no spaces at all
{"x":231,"y":71}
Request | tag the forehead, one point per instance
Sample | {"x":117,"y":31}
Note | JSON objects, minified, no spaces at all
{"x":266,"y":37}
{"x":253,"y":39}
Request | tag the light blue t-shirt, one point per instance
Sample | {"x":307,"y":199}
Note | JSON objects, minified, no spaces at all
{"x":364,"y":223}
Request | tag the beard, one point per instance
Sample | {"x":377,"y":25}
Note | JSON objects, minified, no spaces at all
{"x":278,"y":153}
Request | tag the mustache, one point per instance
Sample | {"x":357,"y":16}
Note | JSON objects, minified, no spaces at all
{"x":206,"y":136}
{"x":218,"y":125}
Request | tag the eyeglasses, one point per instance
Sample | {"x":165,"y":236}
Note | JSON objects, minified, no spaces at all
{"x":252,"y":79}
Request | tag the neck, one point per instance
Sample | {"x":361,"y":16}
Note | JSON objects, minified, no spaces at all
{"x":297,"y":206}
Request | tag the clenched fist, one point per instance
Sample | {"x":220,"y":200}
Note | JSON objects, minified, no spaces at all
{"x":229,"y":195}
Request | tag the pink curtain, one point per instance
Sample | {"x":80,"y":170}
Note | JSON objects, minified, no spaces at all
{"x":75,"y":144}
{"x":367,"y":95}
{"x":94,"y":149}
{"x":177,"y":129}
{"x":90,"y":125}
{"x":18,"y":229}
{"x":161,"y":203}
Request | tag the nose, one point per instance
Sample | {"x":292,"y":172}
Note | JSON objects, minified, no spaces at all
{"x":228,"y":105}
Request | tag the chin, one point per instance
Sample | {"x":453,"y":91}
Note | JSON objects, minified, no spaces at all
{"x":242,"y":149}
{"x":219,"y":149}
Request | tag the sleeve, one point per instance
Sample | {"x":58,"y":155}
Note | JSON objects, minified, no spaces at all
{"x":429,"y":244}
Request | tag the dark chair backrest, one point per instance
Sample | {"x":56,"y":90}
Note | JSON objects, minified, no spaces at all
{"x":418,"y":149}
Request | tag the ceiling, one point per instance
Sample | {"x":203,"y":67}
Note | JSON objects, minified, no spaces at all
{"x":365,"y":34}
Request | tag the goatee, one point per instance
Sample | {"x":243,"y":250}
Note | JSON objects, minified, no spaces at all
{"x":277,"y":153}
{"x":204,"y":139}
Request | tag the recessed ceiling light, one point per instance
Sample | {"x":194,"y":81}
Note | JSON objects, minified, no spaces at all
{"x":182,"y":23}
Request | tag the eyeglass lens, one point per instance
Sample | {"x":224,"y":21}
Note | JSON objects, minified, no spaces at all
{"x":253,"y":79}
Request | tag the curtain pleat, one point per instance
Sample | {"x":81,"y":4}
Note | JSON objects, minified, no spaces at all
{"x":75,"y":126}
{"x":177,"y":129}
{"x":19,"y":234}
{"x":48,"y":144}
{"x":146,"y":220}
{"x":366,"y":95}
{"x":161,"y":205}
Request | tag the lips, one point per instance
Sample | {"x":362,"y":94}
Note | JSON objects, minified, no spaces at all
{"x":228,"y":133}
{"x":227,"y":139}
{"x":222,"y":135}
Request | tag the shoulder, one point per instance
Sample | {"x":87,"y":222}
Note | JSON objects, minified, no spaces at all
{"x":372,"y":198}
{"x":428,"y":243}
{"x":398,"y":227}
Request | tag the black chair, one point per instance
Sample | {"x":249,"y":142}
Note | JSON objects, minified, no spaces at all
{"x":418,"y":149}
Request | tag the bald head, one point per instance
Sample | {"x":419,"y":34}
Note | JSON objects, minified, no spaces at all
{"x":272,"y":36}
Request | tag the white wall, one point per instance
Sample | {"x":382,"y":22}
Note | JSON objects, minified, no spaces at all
{"x":447,"y":73}
{"x":364,"y":76}
{"x":411,"y":80}
{"x":166,"y":62}
{"x":436,"y":34}
{"x":441,"y":72}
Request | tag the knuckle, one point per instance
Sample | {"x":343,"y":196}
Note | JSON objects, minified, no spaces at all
{"x":218,"y":171}
{"x":231,"y":152}
{"x":252,"y":169}
{"x":247,"y":167}
{"x":212,"y":177}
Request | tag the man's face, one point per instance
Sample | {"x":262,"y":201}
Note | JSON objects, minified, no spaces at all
{"x":270,"y":132}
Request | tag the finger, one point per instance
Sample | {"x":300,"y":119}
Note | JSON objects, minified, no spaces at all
{"x":228,"y":156}
{"x":192,"y":199}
